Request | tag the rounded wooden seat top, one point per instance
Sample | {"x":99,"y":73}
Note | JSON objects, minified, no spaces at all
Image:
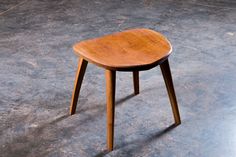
{"x":135,"y":49}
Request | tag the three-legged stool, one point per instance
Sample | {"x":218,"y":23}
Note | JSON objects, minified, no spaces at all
{"x":131,"y":50}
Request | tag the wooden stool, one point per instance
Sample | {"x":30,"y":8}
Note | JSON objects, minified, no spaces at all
{"x":132,"y":50}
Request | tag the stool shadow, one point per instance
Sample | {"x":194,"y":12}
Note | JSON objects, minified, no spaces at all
{"x":101,"y":154}
{"x":139,"y":143}
{"x":101,"y":107}
{"x":33,"y":138}
{"x":150,"y":138}
{"x":122,"y":100}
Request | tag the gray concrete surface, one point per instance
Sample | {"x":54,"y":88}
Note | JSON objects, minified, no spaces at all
{"x":37,"y":68}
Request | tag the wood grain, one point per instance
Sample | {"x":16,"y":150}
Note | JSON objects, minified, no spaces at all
{"x":165,"y":69}
{"x":131,"y":50}
{"x":110,"y":92}
{"x":82,"y":64}
{"x":136,"y":82}
{"x":135,"y":49}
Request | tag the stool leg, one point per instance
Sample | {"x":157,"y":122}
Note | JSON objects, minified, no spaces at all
{"x":110,"y":92}
{"x":165,"y":69}
{"x":77,"y":84}
{"x":136,"y":82}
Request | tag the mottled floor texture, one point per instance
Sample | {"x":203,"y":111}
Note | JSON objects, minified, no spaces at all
{"x":37,"y":69}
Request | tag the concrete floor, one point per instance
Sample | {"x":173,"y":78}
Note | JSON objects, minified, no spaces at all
{"x":37,"y":68}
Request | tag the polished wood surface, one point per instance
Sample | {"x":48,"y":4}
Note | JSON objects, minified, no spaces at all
{"x":82,"y":64}
{"x":132,"y":50}
{"x":165,"y":69}
{"x":136,"y":82}
{"x":135,"y":49}
{"x":110,"y":92}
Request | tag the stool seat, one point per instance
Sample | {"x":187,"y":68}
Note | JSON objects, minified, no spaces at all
{"x":138,"y":49}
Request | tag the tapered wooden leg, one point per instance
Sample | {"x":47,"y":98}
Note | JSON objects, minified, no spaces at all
{"x":77,"y":85}
{"x":110,"y":92}
{"x":136,"y":82}
{"x":165,"y":69}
